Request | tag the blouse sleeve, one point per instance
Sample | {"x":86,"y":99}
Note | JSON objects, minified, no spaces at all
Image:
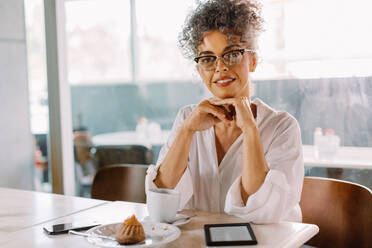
{"x":280,"y":193}
{"x":184,"y":186}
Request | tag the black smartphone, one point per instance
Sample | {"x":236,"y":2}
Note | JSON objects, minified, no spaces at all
{"x":65,"y":227}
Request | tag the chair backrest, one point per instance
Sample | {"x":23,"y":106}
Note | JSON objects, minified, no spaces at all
{"x":122,"y":182}
{"x":122,"y":154}
{"x":342,"y":210}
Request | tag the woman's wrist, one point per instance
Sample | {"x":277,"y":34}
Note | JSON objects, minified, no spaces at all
{"x":185,"y":130}
{"x":249,"y":130}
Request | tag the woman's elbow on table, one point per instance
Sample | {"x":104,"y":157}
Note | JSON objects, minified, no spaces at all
{"x":270,"y":204}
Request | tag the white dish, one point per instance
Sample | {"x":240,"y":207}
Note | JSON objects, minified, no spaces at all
{"x":156,"y":234}
{"x":181,"y":222}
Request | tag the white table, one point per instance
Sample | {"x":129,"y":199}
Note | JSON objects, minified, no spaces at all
{"x":285,"y":234}
{"x":131,"y":138}
{"x":347,"y":157}
{"x":21,"y":209}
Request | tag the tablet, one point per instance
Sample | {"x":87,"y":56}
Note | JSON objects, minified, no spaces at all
{"x":229,"y":234}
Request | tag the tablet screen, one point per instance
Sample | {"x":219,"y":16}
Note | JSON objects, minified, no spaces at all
{"x":229,"y":233}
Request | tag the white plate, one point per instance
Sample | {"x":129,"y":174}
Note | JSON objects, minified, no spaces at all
{"x":156,"y":234}
{"x":181,"y":222}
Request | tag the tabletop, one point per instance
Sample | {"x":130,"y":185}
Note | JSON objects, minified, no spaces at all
{"x":284,"y":234}
{"x":347,"y":157}
{"x":21,"y":209}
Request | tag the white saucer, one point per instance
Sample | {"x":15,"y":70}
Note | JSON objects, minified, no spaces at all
{"x":157,"y":234}
{"x":177,"y":223}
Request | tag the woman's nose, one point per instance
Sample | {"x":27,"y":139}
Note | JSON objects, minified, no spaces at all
{"x":220,"y":65}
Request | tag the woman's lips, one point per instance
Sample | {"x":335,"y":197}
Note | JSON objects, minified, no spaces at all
{"x":224,"y":82}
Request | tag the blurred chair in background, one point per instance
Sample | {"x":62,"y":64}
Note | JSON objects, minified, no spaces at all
{"x":41,"y":172}
{"x":122,"y":154}
{"x":335,"y":173}
{"x":85,"y":166}
{"x":121,"y":182}
{"x":342,"y":210}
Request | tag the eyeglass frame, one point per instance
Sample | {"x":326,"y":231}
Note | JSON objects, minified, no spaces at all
{"x":242,"y":51}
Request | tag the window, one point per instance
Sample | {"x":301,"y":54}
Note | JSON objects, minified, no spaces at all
{"x":36,"y":66}
{"x":38,"y":95}
{"x":159,"y":58}
{"x":316,"y":39}
{"x":98,"y":44}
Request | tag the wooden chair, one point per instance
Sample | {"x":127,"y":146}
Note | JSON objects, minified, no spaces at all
{"x":122,"y":154}
{"x":122,"y":182}
{"x":342,"y":210}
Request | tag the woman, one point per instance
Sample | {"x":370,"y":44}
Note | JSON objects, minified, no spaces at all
{"x":228,"y":153}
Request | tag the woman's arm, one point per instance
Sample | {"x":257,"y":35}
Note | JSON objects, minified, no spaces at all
{"x":278,"y":197}
{"x":254,"y":166}
{"x":204,"y":116}
{"x":174,"y":164}
{"x":264,"y":195}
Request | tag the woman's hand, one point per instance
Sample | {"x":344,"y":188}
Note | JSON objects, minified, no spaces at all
{"x":244,"y":117}
{"x":205,"y":115}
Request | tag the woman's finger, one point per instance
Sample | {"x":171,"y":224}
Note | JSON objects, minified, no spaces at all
{"x":233,"y":101}
{"x":218,"y":112}
{"x":228,"y":104}
{"x":225,"y":101}
{"x":236,"y":106}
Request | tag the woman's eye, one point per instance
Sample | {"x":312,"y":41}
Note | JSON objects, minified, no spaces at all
{"x":234,"y":54}
{"x":231,"y":57}
{"x":206,"y":59}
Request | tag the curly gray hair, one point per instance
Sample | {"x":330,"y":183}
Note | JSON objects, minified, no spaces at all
{"x":239,"y":17}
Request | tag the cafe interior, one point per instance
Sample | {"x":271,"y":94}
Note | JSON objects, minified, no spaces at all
{"x":90,"y":90}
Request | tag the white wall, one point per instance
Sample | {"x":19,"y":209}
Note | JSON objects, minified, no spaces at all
{"x":16,"y":141}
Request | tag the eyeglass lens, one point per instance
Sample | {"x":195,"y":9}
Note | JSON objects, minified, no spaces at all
{"x":229,"y":59}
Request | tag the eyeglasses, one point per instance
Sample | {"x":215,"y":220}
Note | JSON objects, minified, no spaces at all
{"x":230,"y":58}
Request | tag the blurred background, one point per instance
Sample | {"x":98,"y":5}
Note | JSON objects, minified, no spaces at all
{"x":127,"y":80}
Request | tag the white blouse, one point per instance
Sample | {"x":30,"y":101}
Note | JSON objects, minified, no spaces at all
{"x":207,"y":186}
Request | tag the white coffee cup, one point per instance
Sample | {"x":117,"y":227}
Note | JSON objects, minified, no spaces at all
{"x":162,"y":204}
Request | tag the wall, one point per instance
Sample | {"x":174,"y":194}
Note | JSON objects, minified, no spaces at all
{"x":342,"y":104}
{"x":16,"y":143}
{"x":117,"y":107}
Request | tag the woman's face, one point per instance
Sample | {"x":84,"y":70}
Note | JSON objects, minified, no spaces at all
{"x":225,"y":81}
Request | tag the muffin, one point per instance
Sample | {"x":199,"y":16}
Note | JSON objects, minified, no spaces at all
{"x":130,"y":232}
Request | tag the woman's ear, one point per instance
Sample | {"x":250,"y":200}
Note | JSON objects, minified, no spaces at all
{"x":252,"y":62}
